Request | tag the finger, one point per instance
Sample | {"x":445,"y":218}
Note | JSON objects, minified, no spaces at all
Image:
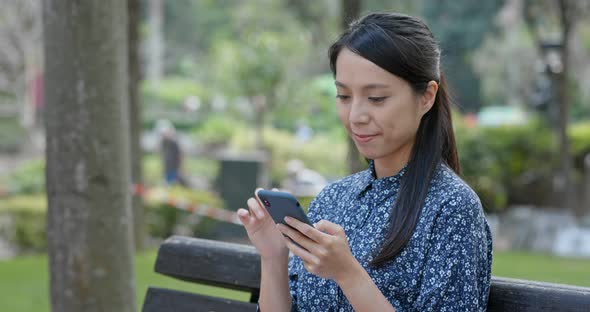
{"x":246,"y":218}
{"x":305,"y":255}
{"x":329,"y":227}
{"x":255,"y":207}
{"x":306,"y":230}
{"x":299,"y":238}
{"x":244,"y":215}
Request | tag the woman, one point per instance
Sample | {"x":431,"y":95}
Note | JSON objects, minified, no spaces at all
{"x":405,"y":235}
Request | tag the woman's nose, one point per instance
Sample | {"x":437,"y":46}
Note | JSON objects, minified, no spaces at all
{"x":358,"y":114}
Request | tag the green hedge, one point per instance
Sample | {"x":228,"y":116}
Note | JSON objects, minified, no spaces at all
{"x":506,"y":164}
{"x":579,"y":134}
{"x":12,"y":134}
{"x":29,"y":178}
{"x":24,"y":219}
{"x":163,"y":220}
{"x":324,"y":153}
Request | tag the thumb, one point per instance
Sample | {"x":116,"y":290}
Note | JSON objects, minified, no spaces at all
{"x":329,"y":227}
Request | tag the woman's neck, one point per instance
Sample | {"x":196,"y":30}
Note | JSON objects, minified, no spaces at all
{"x":392,"y":164}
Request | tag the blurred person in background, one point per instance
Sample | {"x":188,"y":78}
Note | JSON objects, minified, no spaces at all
{"x":407,"y":234}
{"x":170,"y":152}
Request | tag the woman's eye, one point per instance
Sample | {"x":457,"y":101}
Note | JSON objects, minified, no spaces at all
{"x":377,"y":99}
{"x":342,"y":97}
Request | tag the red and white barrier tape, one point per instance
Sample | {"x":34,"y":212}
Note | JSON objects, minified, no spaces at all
{"x":163,"y":196}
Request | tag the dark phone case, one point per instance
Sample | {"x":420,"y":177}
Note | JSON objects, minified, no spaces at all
{"x":282,"y":204}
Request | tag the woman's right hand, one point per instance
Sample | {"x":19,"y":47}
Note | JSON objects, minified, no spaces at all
{"x":262,"y":231}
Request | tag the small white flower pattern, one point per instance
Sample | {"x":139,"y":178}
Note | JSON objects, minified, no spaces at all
{"x":446,"y":265}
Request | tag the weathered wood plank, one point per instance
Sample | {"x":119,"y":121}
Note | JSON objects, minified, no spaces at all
{"x":160,"y":300}
{"x":521,"y":295}
{"x":238,"y":266}
{"x":210,"y":262}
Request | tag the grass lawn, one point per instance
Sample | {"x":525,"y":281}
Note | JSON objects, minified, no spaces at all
{"x":24,"y":281}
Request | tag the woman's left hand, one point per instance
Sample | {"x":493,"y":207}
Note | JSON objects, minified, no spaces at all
{"x":325,"y":251}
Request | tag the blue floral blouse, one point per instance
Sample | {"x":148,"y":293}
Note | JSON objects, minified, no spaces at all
{"x":446,"y":265}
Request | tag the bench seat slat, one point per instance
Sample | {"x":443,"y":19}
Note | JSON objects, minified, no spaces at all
{"x":160,"y":299}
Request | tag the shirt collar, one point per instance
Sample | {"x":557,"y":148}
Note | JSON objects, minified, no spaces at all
{"x":368,"y":179}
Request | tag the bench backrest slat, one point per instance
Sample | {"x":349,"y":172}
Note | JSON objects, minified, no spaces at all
{"x":238,"y":266}
{"x":209,"y":262}
{"x":509,"y":294}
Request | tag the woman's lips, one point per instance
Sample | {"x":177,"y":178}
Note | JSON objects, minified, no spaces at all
{"x":363,"y":138}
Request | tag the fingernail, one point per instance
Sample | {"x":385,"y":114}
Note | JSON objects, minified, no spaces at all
{"x":287,"y":219}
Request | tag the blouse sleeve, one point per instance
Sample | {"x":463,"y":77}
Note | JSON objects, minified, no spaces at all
{"x":457,"y":273}
{"x":295,"y":263}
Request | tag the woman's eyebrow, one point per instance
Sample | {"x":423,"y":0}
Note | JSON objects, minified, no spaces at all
{"x":366,"y":87}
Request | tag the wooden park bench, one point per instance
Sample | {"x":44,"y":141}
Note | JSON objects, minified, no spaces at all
{"x":236,"y":266}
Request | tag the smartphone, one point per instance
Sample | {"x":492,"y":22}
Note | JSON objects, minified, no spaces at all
{"x":280,"y":205}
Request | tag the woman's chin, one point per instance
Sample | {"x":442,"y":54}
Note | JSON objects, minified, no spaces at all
{"x":367,"y":153}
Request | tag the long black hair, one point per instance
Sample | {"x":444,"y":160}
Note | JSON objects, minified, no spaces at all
{"x":404,"y":46}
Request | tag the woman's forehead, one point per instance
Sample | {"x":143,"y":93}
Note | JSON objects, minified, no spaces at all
{"x":354,"y":71}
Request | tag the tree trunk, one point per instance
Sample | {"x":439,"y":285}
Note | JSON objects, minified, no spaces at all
{"x":89,"y":226}
{"x":350,"y":10}
{"x":139,"y":231}
{"x":155,"y":67}
{"x":568,"y":189}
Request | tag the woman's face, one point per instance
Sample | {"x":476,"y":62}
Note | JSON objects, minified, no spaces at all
{"x":379,"y":110}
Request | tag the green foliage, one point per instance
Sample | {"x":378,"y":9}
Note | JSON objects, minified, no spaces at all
{"x":163,"y":219}
{"x":201,"y":167}
{"x":323,"y":153}
{"x":190,"y":27}
{"x":217,"y":130}
{"x":460,"y":27}
{"x":171,"y":91}
{"x":499,"y":162}
{"x":29,"y":178}
{"x":165,"y":100}
{"x":579,"y":134}
{"x":24,"y":218}
{"x":11,"y":134}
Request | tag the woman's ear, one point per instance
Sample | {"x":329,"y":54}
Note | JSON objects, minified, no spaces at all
{"x":428,"y":98}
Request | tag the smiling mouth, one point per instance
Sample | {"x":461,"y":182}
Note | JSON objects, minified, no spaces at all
{"x":363,"y":138}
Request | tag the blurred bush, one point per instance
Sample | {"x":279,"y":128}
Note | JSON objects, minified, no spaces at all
{"x":163,"y":220}
{"x":28,"y":178}
{"x":503,"y":163}
{"x":171,"y":92}
{"x":23,"y":221}
{"x":165,"y":100}
{"x":11,"y":134}
{"x":199,"y":167}
{"x":217,"y":131}
{"x":579,"y":134}
{"x":23,"y":217}
{"x":325,"y":153}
